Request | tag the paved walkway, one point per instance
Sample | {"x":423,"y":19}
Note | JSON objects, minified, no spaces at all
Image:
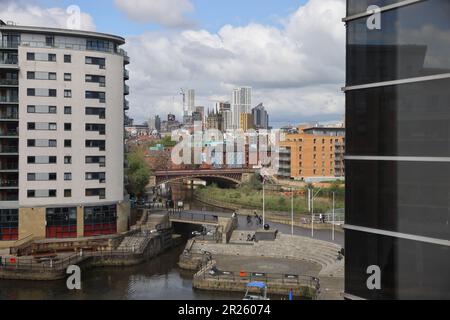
{"x":284,"y":251}
{"x":266,"y":265}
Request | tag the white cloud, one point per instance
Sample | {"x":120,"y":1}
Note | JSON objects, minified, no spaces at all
{"x":168,"y":13}
{"x":29,"y":13}
{"x":296,"y":70}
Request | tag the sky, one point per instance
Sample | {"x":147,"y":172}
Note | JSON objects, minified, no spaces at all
{"x":291,"y":52}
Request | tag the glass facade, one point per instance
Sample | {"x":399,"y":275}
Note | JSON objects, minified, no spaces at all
{"x":412,"y":42}
{"x":9,"y":225}
{"x":402,"y":120}
{"x":61,"y":223}
{"x":100,"y":220}
{"x":398,"y":150}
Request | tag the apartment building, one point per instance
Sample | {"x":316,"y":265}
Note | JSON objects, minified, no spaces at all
{"x":62,"y":106}
{"x":246,"y":122}
{"x":315,"y":152}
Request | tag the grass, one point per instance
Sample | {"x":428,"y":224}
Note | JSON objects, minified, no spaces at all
{"x":251,"y":198}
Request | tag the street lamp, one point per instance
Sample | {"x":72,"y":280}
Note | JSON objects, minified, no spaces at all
{"x":334,"y":216}
{"x":312,"y":209}
{"x":264,"y":201}
{"x":292,"y":211}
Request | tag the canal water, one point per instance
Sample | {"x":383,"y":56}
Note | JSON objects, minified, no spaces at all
{"x":158,"y":279}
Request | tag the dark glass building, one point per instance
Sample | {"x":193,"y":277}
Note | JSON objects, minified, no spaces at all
{"x":398,"y":149}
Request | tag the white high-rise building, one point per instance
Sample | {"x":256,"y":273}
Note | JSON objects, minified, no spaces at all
{"x":241,"y":102}
{"x":62,"y":107}
{"x":190,"y":102}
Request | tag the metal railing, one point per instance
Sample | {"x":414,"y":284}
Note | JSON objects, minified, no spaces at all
{"x":6,"y":149}
{"x":7,"y":167}
{"x":191,"y":216}
{"x":13,"y":99}
{"x":9,"y":82}
{"x":9,"y":133}
{"x":270,"y":278}
{"x":9,"y":183}
{"x":61,"y":45}
{"x":51,"y":263}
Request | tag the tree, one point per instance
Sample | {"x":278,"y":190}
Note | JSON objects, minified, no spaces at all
{"x":138,"y":173}
{"x":167,"y":142}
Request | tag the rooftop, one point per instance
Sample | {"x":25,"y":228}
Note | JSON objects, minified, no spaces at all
{"x":59,"y":31}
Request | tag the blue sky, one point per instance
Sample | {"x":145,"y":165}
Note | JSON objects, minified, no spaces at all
{"x":291,"y":52}
{"x":208,"y":14}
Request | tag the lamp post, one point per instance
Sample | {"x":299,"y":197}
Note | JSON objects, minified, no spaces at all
{"x":334,"y":217}
{"x":292,"y":211}
{"x":264,"y":201}
{"x":312,"y":210}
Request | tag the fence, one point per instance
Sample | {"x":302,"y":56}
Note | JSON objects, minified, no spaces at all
{"x":191,"y":216}
{"x":270,"y":278}
{"x":53,"y":264}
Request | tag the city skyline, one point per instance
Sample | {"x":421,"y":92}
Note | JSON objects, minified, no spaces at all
{"x":295,"y":66}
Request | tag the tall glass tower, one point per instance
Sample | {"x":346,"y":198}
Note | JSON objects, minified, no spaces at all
{"x":398,"y":149}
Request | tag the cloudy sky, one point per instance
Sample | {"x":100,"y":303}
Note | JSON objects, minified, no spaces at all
{"x":292,"y":52}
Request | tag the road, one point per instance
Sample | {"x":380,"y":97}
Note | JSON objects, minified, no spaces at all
{"x":325,"y":235}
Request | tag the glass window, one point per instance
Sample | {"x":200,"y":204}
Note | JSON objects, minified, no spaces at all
{"x":411,"y":43}
{"x":67,"y":110}
{"x":101,"y":62}
{"x":61,"y":222}
{"x":9,"y":224}
{"x":67,"y":93}
{"x":67,"y":58}
{"x":406,"y":197}
{"x":49,"y":41}
{"x":404,"y":120}
{"x":100,"y":220}
{"x":100,"y":112}
{"x":410,"y":270}
{"x":67,"y":77}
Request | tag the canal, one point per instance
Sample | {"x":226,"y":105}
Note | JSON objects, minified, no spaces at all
{"x":158,"y":279}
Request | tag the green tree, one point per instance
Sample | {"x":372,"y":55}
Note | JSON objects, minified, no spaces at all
{"x":138,"y":173}
{"x":167,"y":142}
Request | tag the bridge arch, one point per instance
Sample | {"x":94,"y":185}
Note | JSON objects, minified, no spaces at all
{"x":232,"y":177}
{"x":207,"y":178}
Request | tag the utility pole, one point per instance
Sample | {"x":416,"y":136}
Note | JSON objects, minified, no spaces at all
{"x":312,"y":210}
{"x":292,"y":210}
{"x":312,"y":213}
{"x":334,"y":217}
{"x":264,"y":201}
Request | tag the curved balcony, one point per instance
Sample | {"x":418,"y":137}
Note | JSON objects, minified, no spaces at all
{"x":126,"y":105}
{"x":126,"y":90}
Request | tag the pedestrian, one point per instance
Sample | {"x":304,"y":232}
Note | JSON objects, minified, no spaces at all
{"x":321,"y":218}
